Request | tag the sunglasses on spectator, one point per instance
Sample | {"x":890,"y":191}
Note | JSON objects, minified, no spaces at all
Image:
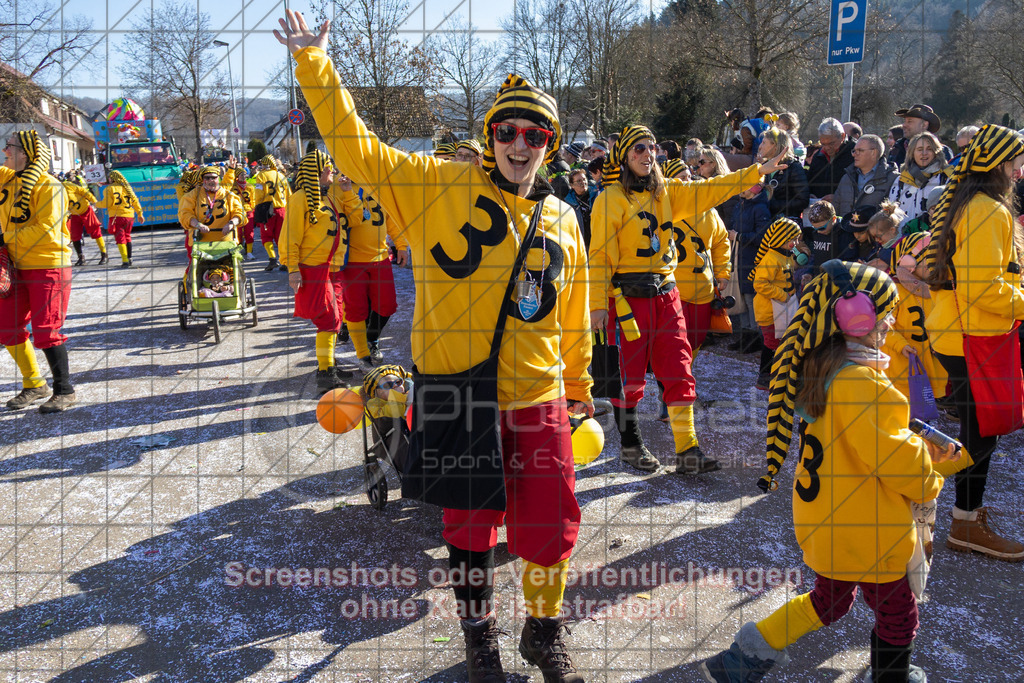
{"x":506,"y":134}
{"x":642,"y":147}
{"x":704,"y":162}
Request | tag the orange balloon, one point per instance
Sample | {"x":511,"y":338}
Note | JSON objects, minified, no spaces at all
{"x":339,"y":410}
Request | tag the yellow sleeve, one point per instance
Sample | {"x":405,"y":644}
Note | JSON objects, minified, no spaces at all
{"x":88,"y":196}
{"x":981,"y":261}
{"x":720,"y":247}
{"x":605,"y":218}
{"x":135,"y":204}
{"x":695,"y":197}
{"x":235,"y":209}
{"x":385,"y":172}
{"x":395,"y":233}
{"x":104,"y":201}
{"x":900,"y":459}
{"x":895,"y":339}
{"x":43,"y":240}
{"x":187,"y":209}
{"x":228,"y":179}
{"x":292,"y":231}
{"x":576,"y":340}
{"x":259,"y":194}
{"x":767,"y":276}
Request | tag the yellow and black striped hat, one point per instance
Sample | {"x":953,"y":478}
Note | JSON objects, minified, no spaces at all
{"x":775,"y":237}
{"x":209,"y":170}
{"x":904,"y":246}
{"x":672,"y":167}
{"x":813,"y":324}
{"x":617,"y":156}
{"x":445,"y":149}
{"x":190,"y":180}
{"x":518,"y":99}
{"x":308,"y":180}
{"x":269,"y":161}
{"x":470,"y":144}
{"x":38,"y":153}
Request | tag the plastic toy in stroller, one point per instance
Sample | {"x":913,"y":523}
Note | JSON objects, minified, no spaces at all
{"x":215,"y":287}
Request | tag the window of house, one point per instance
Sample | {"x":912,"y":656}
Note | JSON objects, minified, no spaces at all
{"x":56,"y":149}
{"x":44,"y":106}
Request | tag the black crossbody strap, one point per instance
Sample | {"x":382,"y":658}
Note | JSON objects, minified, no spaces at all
{"x":506,"y":302}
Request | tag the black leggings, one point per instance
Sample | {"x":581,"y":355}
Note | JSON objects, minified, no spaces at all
{"x":970,"y":483}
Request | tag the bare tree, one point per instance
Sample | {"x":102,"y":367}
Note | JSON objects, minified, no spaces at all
{"x":469,"y":65}
{"x":171,"y":67}
{"x":542,"y":44}
{"x":390,"y":79}
{"x":1002,"y":21}
{"x":42,"y":42}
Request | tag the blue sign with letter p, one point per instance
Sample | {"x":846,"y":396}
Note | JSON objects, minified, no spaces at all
{"x":846,"y":31}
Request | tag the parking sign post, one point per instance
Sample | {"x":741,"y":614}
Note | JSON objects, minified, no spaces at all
{"x":846,"y":25}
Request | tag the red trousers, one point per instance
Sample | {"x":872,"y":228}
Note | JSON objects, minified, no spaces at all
{"x":319,"y":299}
{"x":272,"y":230}
{"x":663,"y":345}
{"x":88,"y":223}
{"x":698,"y":323}
{"x":122,"y":229}
{"x":894,"y":605}
{"x":248,"y":230}
{"x":542,"y":517}
{"x":770,"y":340}
{"x":39,"y":296}
{"x":369,"y":285}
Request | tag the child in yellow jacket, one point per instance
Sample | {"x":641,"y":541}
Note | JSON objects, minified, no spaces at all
{"x":861,"y":484}
{"x":122,"y":205}
{"x":773,"y":281}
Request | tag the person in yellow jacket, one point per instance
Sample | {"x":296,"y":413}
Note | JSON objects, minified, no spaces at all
{"x":33,"y":219}
{"x":370,"y":298}
{"x":445,"y":151}
{"x":246,"y":195}
{"x":312,"y":243}
{"x":975,"y":279}
{"x":632,"y":248}
{"x":215,"y":212}
{"x":773,"y":281}
{"x":464,"y":225}
{"x":862,"y":482}
{"x":82,"y":219}
{"x":122,"y":205}
{"x":908,"y":338}
{"x":272,"y":193}
{"x":190,"y":180}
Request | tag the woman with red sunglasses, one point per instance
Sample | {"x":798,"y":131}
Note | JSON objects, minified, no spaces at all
{"x":464,"y":225}
{"x":633,"y":251}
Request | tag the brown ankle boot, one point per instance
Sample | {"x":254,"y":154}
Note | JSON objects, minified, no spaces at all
{"x":966,"y":535}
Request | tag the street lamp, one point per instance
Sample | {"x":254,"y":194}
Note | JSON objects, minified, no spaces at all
{"x":231,"y":85}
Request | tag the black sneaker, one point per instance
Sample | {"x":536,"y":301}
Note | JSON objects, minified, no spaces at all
{"x":79,"y":262}
{"x":640,"y":458}
{"x":328,"y":379}
{"x":271,"y":265}
{"x":126,"y":264}
{"x":541,"y":645}
{"x":283,"y":268}
{"x":103,"y":259}
{"x":483,"y":658}
{"x":693,"y":461}
{"x":343,"y":335}
{"x":376,"y":357}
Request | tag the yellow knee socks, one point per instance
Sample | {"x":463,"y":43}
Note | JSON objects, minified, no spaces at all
{"x":325,"y":342}
{"x":123,"y":248}
{"x":101,"y":244}
{"x":269,"y":246}
{"x":790,"y":622}
{"x":357,"y":332}
{"x":248,"y":247}
{"x":543,"y":588}
{"x":25,"y":358}
{"x":683,"y":433}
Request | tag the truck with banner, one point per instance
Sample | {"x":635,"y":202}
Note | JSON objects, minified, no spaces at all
{"x":134,"y":145}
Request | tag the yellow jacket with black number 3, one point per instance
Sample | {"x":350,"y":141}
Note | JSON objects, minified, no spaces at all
{"x":119,"y":203}
{"x":703,"y":247}
{"x":368,"y":227}
{"x":987,"y":279}
{"x":213,"y":211}
{"x":271,"y":186}
{"x":909,"y":330}
{"x":309,"y":244}
{"x":460,"y":283}
{"x":43,"y":240}
{"x":860,"y":467}
{"x":772,"y":282}
{"x":633,"y":233}
{"x":79,"y":199}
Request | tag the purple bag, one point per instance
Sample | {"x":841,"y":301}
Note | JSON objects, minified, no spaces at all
{"x":922,"y":399}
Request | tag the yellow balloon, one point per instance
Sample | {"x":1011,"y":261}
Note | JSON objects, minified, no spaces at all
{"x":587,"y":441}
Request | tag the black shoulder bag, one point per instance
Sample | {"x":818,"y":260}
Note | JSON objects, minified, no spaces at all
{"x":455,"y":449}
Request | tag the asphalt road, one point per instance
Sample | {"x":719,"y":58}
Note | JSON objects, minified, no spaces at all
{"x":190,"y":467}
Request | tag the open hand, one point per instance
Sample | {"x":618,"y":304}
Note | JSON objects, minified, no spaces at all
{"x":766,"y":168}
{"x":297,"y":35}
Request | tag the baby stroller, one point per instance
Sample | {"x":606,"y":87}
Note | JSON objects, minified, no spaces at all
{"x":386,"y":392}
{"x":215,"y":287}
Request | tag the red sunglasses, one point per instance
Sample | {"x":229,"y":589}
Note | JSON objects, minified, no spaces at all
{"x":506,"y":134}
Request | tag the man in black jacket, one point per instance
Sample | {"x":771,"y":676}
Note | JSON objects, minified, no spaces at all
{"x":826,"y":166}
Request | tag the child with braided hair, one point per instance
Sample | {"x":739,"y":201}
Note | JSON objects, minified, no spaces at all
{"x":857,"y":457}
{"x":122,"y":205}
